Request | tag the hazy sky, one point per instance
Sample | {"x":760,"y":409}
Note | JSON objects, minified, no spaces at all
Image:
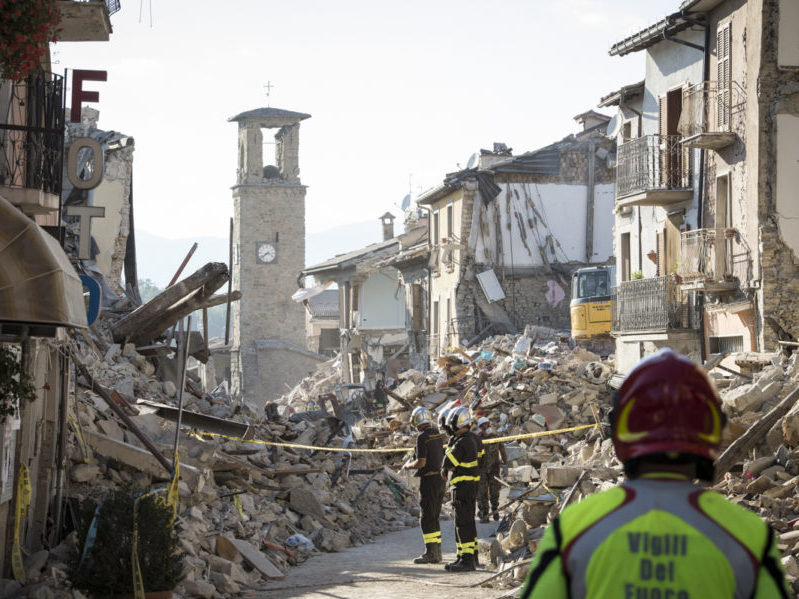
{"x":396,"y":91}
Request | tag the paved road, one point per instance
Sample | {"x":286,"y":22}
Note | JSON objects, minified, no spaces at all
{"x":384,"y":570}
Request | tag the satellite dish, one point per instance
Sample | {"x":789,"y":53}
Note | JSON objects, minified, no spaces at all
{"x":406,"y":202}
{"x":472,"y":160}
{"x":614,"y":126}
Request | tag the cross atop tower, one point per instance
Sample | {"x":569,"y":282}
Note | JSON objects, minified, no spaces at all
{"x":269,"y":85}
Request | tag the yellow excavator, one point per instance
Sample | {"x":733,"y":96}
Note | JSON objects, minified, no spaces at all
{"x":590,"y":307}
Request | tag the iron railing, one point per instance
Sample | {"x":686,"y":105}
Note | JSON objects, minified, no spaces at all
{"x":703,"y":255}
{"x":719,"y":254}
{"x":708,"y":108}
{"x":648,"y":305}
{"x":32,"y":132}
{"x":652,"y":162}
{"x":111,"y":6}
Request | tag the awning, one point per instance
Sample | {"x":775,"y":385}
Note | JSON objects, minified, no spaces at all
{"x":303,"y":294}
{"x":38,"y":285}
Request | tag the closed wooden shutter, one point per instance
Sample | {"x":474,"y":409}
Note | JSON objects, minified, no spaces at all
{"x":418,"y":307}
{"x":723,"y":41}
{"x":672,"y":243}
{"x":661,"y":256}
{"x":662,"y":165}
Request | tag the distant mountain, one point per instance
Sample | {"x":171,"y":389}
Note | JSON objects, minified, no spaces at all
{"x":158,"y":258}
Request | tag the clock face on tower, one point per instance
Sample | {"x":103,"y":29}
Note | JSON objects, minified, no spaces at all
{"x":266,"y":253}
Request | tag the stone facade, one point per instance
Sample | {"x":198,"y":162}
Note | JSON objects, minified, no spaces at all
{"x":268,"y":351}
{"x":778,"y":95}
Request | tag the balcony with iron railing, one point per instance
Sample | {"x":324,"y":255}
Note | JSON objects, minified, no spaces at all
{"x":708,"y":111}
{"x":649,"y":305}
{"x":653,"y":170}
{"x":32,"y":142}
{"x":86,"y":20}
{"x":712,"y":260}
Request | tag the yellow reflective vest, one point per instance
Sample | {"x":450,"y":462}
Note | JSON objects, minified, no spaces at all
{"x":656,"y":538}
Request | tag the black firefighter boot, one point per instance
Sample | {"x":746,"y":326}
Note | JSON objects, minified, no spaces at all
{"x":448,"y":567}
{"x":432,"y":554}
{"x":465,"y":565}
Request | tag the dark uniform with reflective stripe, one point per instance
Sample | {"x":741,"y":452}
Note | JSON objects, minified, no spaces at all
{"x":488,"y":488}
{"x":430,"y":446}
{"x":655,"y":538}
{"x":462,"y":459}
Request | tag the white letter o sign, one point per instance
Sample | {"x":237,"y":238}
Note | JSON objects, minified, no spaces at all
{"x":72,"y":163}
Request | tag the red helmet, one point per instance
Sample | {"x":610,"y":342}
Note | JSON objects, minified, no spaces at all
{"x":667,"y":403}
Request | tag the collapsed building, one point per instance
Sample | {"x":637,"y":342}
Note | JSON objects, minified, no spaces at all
{"x":382,"y":289}
{"x":705,"y":240}
{"x":507,"y":233}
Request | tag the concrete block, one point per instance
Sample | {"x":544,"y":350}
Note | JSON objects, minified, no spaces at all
{"x":141,"y":459}
{"x":224,"y":584}
{"x":744,"y":398}
{"x":548,"y":398}
{"x":83,"y":473}
{"x":560,"y":476}
{"x":257,"y":559}
{"x":199,"y":588}
{"x":304,"y":502}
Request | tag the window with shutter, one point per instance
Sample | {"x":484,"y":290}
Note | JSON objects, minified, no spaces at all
{"x":418,"y":307}
{"x":723,"y":41}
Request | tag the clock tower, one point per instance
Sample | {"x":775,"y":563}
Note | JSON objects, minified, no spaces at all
{"x":268,"y":346}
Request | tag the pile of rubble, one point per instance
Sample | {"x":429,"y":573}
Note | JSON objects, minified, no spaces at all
{"x":248,"y":510}
{"x":254,"y":500}
{"x":538,"y":382}
{"x":757,"y":467}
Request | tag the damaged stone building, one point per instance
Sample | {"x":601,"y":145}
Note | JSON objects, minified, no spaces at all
{"x":382,"y":298}
{"x":41,"y":294}
{"x":705,"y":228}
{"x":506,"y":234}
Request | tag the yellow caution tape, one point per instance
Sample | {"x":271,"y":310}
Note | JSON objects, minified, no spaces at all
{"x":540,"y":434}
{"x":299,"y":446}
{"x":388,"y":450}
{"x":172,"y":492}
{"x":237,"y":503}
{"x":21,"y":512}
{"x":84,"y":449}
{"x":138,"y":582}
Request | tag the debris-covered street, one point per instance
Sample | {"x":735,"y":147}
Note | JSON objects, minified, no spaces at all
{"x":565,"y":369}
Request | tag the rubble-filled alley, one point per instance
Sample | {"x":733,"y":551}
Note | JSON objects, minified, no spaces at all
{"x":255,"y":502}
{"x":555,"y":354}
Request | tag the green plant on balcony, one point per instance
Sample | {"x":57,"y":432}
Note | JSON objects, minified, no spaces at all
{"x":26,"y":27}
{"x":15,"y":383}
{"x":636,"y":276}
{"x":103,"y":565}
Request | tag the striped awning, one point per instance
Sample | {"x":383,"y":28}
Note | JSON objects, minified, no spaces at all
{"x":38,"y":285}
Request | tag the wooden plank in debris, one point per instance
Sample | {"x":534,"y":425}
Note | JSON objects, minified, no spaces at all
{"x":128,"y":325}
{"x":195,"y":300}
{"x":139,"y":459}
{"x":738,"y":449}
{"x":221,"y":298}
{"x":256,"y":558}
{"x":271,"y":472}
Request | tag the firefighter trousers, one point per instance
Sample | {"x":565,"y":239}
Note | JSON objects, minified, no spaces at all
{"x":464,"y":496}
{"x":488,"y":489}
{"x":431,"y":495}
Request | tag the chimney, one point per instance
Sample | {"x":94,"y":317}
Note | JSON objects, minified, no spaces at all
{"x":591,"y":119}
{"x":388,"y":225}
{"x":489,"y":158}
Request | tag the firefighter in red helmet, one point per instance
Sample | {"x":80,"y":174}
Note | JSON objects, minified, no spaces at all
{"x":659,"y":535}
